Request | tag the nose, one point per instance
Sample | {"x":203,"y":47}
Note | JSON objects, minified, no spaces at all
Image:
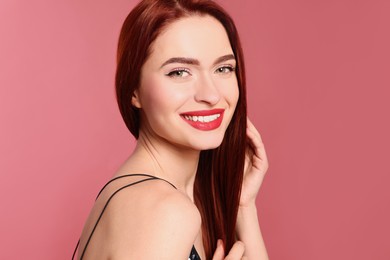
{"x":206,"y":91}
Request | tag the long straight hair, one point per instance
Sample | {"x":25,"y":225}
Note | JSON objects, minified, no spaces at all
{"x":220,"y":171}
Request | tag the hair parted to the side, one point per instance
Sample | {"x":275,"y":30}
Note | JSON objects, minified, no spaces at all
{"x":220,"y":171}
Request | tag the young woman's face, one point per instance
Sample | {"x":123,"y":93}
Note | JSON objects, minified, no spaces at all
{"x":188,"y":90}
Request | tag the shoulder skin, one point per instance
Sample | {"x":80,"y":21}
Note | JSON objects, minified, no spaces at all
{"x":151,"y":220}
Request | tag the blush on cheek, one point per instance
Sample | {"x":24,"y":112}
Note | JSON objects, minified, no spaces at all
{"x":161,"y":97}
{"x":230,"y":92}
{"x":150,"y":91}
{"x":163,"y":90}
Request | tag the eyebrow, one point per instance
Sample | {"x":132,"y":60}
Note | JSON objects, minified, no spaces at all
{"x":192,"y":61}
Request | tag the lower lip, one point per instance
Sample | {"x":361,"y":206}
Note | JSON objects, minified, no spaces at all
{"x":206,"y":126}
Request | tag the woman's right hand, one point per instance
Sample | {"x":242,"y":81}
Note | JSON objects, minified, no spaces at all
{"x":236,"y":253}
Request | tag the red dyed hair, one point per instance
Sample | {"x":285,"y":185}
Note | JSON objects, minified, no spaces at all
{"x":220,"y":171}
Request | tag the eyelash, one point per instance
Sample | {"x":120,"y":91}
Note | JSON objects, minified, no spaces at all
{"x":174,"y":73}
{"x":229,"y":67}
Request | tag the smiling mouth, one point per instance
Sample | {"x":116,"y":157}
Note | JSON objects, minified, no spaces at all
{"x":204,"y":120}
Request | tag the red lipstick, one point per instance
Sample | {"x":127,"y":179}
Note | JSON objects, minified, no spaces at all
{"x":204,"y":120}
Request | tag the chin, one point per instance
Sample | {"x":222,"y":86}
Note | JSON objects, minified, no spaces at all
{"x":206,"y":143}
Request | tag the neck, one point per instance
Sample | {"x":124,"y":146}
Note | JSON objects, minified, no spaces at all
{"x":165,"y":160}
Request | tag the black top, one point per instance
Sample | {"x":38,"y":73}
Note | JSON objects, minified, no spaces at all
{"x":193,"y":255}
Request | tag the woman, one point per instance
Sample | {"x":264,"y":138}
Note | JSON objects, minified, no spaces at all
{"x":189,"y":187}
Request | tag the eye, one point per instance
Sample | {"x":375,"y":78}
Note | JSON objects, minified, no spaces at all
{"x":225,"y":69}
{"x":178,"y":73}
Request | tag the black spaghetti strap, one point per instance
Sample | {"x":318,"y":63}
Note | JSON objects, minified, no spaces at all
{"x":134,"y":174}
{"x":150,"y":177}
{"x":75,"y":250}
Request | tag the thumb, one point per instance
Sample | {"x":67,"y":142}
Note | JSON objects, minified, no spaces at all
{"x":219,"y":253}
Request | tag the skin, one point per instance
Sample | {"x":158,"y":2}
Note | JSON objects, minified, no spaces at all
{"x":164,"y":221}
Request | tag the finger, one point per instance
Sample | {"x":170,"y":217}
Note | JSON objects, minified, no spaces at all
{"x":237,"y":251}
{"x":219,"y":251}
{"x":253,"y":129}
{"x":257,"y":145}
{"x":253,"y":134}
{"x":256,"y":150}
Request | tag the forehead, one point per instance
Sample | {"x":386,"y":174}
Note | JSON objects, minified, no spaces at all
{"x":200,"y":37}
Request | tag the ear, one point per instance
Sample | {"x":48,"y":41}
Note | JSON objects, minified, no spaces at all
{"x":135,"y":99}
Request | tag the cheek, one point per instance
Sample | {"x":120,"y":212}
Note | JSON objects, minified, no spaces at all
{"x":235,"y":95}
{"x":230,"y":92}
{"x":157,"y":96}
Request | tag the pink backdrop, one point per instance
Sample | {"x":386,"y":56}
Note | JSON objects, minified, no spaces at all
{"x":318,"y":79}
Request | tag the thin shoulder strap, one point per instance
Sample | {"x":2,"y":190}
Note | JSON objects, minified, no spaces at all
{"x":149,"y":177}
{"x":135,"y":174}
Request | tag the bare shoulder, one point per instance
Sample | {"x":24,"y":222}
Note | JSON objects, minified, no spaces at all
{"x":151,"y":220}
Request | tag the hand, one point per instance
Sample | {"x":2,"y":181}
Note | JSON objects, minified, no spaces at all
{"x":256,"y":165}
{"x":236,"y":253}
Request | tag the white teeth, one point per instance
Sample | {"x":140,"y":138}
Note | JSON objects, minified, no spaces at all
{"x":202,"y":119}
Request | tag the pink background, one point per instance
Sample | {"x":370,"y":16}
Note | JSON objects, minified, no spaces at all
{"x":318,"y":80}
